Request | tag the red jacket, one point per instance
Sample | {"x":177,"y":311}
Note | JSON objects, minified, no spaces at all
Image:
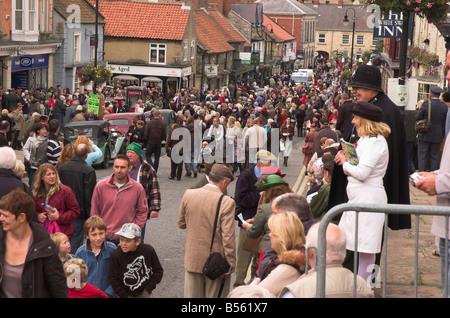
{"x":65,"y":202}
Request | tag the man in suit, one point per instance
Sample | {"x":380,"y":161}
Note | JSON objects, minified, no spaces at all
{"x":429,"y":143}
{"x":197,"y":217}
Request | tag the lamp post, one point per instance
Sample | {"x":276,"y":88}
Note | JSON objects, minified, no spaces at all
{"x":345,"y":21}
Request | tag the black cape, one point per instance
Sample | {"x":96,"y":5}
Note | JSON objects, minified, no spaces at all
{"x":396,"y":179}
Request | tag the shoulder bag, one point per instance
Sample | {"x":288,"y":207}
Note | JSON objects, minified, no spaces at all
{"x":216,"y":265}
{"x":424,"y":125}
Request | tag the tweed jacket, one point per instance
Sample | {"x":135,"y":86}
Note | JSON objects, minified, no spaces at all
{"x":196,"y":215}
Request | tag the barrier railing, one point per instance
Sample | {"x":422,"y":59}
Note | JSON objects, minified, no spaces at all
{"x":382,"y":208}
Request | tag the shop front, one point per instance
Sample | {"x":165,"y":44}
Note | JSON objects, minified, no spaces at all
{"x":30,"y":72}
{"x":170,"y":79}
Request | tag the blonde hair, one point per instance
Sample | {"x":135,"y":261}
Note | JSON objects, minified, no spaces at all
{"x":70,"y":268}
{"x":57,"y":238}
{"x":83,"y":140}
{"x":368,"y":127}
{"x":287,"y":232}
{"x":39,"y":186}
{"x":67,"y":154}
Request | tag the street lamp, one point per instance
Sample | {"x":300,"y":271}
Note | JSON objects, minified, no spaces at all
{"x":345,"y":22}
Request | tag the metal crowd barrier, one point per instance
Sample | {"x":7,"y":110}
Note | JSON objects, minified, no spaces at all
{"x":382,"y":208}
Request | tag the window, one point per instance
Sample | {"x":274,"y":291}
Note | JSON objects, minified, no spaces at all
{"x":321,"y":39}
{"x":43,"y":15}
{"x":193,"y":49}
{"x":32,"y":14}
{"x":360,"y":40}
{"x":185,"y":51}
{"x":25,"y":20}
{"x":18,"y":14}
{"x":345,"y":39}
{"x":157,"y":53}
{"x":374,"y":41}
{"x":76,"y":48}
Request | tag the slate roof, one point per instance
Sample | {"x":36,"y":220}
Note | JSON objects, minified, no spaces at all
{"x":286,"y":7}
{"x":165,"y":21}
{"x":331,"y":17}
{"x":87,"y":11}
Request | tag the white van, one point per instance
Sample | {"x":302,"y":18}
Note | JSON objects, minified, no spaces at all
{"x":302,"y":76}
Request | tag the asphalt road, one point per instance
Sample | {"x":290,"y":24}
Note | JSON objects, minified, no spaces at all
{"x":163,"y":232}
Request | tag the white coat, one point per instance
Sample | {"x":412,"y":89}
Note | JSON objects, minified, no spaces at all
{"x":365,"y":185}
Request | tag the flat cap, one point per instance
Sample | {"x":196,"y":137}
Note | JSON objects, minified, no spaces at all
{"x":220,"y":169}
{"x":265,"y":156}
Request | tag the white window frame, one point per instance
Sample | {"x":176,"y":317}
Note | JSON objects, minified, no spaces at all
{"x":321,"y":38}
{"x":193,"y":49}
{"x":158,"y":48}
{"x":26,"y":32}
{"x":77,"y":47}
{"x":358,"y":41}
{"x":374,"y":41}
{"x":345,"y":39}
{"x":185,"y":51}
{"x":43,"y":15}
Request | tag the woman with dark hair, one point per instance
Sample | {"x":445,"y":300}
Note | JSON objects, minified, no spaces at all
{"x":29,"y":259}
{"x":54,"y":201}
{"x":38,"y":150}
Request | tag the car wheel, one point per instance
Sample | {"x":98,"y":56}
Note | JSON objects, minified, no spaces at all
{"x":105,"y":163}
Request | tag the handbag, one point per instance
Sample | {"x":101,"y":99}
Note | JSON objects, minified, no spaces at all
{"x":169,"y":152}
{"x":282,"y":145}
{"x":216,"y":265}
{"x":251,"y":244}
{"x":306,"y":150}
{"x":424,"y":125}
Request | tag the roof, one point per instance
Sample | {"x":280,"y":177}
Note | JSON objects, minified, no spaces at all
{"x":286,"y":7}
{"x":165,"y":21}
{"x":331,"y":16}
{"x":279,"y":33}
{"x":250,"y":12}
{"x":210,"y":37}
{"x":233,"y":34}
{"x":87,"y":11}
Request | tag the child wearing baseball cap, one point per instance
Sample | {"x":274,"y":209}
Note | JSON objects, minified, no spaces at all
{"x":135,"y":269}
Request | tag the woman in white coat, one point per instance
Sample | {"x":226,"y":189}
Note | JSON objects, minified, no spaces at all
{"x":365,"y":184}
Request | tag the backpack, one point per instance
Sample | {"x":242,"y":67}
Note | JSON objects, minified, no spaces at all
{"x":39,"y":156}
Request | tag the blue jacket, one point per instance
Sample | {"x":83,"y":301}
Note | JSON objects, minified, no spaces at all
{"x":98,"y":268}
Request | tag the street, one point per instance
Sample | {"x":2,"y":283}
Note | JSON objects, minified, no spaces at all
{"x":163,"y":232}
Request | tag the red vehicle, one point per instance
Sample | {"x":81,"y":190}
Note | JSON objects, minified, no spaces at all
{"x":120,"y":122}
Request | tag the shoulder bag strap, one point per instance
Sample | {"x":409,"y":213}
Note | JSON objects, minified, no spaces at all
{"x":429,"y":108}
{"x":215,"y":222}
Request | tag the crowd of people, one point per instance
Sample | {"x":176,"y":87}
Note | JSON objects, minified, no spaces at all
{"x":89,"y":235}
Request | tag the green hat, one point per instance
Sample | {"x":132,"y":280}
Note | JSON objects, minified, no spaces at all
{"x":265,"y":182}
{"x":137,"y":148}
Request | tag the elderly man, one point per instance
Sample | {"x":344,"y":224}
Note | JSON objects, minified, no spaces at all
{"x":339,"y":279}
{"x":247,"y":199}
{"x":198,"y":216}
{"x":142,"y":172}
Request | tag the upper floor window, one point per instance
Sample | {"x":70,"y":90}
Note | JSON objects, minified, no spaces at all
{"x":25,"y":20}
{"x":157,"y":53}
{"x":345,"y":39}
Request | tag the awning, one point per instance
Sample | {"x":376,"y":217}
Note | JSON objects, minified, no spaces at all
{"x":151,"y":79}
{"x":126,"y":77}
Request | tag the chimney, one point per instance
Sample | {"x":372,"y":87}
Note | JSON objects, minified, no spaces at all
{"x":340,"y":3}
{"x":316,"y":3}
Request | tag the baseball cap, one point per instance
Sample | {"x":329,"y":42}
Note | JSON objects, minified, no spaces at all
{"x":130,"y":231}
